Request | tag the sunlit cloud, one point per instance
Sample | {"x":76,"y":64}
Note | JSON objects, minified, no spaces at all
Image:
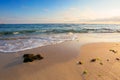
{"x":72,"y":14}
{"x":88,"y":15}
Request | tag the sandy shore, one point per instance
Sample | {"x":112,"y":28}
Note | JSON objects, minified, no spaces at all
{"x":54,"y":66}
{"x":60,"y":61}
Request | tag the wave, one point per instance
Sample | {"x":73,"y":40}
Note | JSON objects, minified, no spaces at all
{"x":57,"y":31}
{"x":18,"y":37}
{"x":16,"y":32}
{"x":24,"y":43}
{"x":102,"y":30}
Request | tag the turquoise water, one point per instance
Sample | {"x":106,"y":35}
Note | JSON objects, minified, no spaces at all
{"x":18,"y":37}
{"x":21,"y":29}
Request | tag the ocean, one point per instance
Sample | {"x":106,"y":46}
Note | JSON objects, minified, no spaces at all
{"x":19,"y":37}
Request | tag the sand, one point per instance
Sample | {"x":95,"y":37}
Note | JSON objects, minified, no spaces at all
{"x":61,"y":61}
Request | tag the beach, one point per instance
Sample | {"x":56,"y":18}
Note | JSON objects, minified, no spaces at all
{"x":59,"y":39}
{"x":62,"y":61}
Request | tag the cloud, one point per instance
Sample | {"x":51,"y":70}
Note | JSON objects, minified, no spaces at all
{"x":88,"y":15}
{"x":76,"y":15}
{"x":71,"y":15}
{"x":112,"y":20}
{"x":32,"y":20}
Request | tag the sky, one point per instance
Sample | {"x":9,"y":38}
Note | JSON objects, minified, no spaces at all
{"x":60,"y":11}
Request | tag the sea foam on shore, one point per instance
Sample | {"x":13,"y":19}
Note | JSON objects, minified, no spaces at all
{"x":19,"y":37}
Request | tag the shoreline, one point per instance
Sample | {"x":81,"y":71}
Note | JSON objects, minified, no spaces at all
{"x":61,"y":61}
{"x":82,"y":38}
{"x":53,"y":54}
{"x":59,"y":64}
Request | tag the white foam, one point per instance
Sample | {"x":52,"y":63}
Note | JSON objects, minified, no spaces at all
{"x":33,"y":42}
{"x":15,"y":32}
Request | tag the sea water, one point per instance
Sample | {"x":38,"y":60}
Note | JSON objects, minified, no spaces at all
{"x":19,"y":37}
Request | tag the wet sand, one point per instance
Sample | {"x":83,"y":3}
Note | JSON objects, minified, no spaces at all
{"x":61,"y":62}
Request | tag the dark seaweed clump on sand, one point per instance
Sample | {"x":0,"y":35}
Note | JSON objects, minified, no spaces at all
{"x":31,"y":57}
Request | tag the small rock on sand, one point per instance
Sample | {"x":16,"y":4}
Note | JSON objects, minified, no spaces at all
{"x":117,"y":59}
{"x":80,"y":62}
{"x":31,"y":57}
{"x":93,"y":60}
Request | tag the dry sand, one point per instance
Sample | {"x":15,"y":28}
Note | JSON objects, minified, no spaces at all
{"x":60,"y":62}
{"x":106,"y":67}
